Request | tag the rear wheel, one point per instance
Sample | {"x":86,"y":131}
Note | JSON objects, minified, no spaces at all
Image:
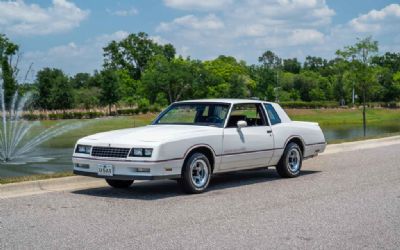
{"x":290,"y":164}
{"x":196,"y":174}
{"x":119,"y":183}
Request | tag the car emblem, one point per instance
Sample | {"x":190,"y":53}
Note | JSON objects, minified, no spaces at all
{"x":109,"y":145}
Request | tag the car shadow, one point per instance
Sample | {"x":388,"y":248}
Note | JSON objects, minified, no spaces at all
{"x":155,"y":190}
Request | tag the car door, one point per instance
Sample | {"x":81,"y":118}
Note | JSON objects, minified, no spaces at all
{"x":250,"y":146}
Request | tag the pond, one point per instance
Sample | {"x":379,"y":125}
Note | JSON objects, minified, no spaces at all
{"x":59,"y":159}
{"x":346,"y":131}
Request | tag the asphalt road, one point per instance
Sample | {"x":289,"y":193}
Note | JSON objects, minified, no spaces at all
{"x":347,"y":200}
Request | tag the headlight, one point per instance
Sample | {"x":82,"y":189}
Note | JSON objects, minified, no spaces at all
{"x":83,"y":149}
{"x":141,"y":152}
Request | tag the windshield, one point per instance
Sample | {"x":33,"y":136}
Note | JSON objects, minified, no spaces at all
{"x":205,"y":114}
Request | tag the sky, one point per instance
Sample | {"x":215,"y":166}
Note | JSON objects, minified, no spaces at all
{"x":70,"y":34}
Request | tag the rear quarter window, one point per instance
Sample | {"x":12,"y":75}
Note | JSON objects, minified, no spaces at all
{"x":272,"y":114}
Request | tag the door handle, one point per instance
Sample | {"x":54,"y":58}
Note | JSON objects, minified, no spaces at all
{"x":269,"y":131}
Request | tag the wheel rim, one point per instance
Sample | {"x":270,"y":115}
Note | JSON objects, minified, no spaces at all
{"x":199,"y":173}
{"x":294,"y":160}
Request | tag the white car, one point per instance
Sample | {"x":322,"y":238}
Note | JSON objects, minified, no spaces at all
{"x":191,"y":140}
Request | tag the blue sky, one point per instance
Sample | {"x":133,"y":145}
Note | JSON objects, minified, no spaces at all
{"x":70,"y":34}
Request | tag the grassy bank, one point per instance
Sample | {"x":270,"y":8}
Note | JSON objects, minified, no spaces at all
{"x":345,"y":116}
{"x":35,"y":177}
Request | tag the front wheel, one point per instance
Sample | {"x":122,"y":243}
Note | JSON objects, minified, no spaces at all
{"x":196,"y":174}
{"x":290,"y":164}
{"x":119,"y":183}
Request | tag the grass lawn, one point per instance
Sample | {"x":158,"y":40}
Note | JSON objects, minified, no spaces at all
{"x":35,"y":177}
{"x":345,"y":116}
{"x":95,"y":126}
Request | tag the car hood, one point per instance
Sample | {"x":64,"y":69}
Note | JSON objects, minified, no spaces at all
{"x":150,"y":133}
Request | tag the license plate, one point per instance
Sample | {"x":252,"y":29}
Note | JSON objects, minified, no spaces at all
{"x":105,"y":170}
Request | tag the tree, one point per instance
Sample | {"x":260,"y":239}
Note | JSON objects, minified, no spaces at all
{"x":87,"y":98}
{"x":232,"y":78}
{"x":54,"y":89}
{"x":361,"y":55}
{"x":316,"y":64}
{"x":134,"y":52}
{"x":389,"y":60}
{"x":175,"y":78}
{"x":396,"y":85}
{"x":81,"y":80}
{"x":270,"y":60}
{"x":110,"y":91}
{"x":61,"y":95}
{"x":128,"y":87}
{"x":291,"y":65}
{"x":340,"y":68}
{"x":265,"y":80}
{"x":8,"y":70}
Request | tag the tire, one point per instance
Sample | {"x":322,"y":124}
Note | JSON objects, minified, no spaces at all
{"x":119,"y":183}
{"x":289,"y":165}
{"x":196,"y":174}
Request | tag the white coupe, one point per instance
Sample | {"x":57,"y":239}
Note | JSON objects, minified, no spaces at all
{"x":192,"y":140}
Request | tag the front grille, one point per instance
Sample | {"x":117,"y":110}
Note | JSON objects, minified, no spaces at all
{"x":110,"y":152}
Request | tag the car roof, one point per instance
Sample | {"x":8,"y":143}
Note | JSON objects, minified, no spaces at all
{"x":225,"y":100}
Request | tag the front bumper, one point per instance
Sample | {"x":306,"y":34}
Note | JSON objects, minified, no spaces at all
{"x":127,"y":177}
{"x":128,"y":170}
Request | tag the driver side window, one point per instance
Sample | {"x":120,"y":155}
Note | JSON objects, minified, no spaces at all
{"x":249,"y":112}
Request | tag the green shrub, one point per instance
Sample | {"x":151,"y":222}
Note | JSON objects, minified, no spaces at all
{"x":144,"y":110}
{"x":155,"y":108}
{"x":30,"y":117}
{"x":56,"y":116}
{"x":143,"y":105}
{"x":309,"y":105}
{"x":78,"y":115}
{"x":127,"y":111}
{"x":93,"y":114}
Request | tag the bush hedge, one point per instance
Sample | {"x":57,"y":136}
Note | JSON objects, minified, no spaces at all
{"x":91,"y":114}
{"x":63,"y":116}
{"x":309,"y":105}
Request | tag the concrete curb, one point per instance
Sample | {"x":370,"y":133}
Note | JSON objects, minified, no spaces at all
{"x":48,"y":185}
{"x":81,"y":182}
{"x":359,"y":145}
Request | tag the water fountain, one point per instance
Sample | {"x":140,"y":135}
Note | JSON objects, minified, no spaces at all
{"x":16,"y":143}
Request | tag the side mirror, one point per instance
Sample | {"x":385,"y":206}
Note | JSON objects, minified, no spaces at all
{"x":241,"y":124}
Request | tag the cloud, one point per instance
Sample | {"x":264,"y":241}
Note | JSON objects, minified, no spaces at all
{"x":72,"y":57}
{"x":20,"y":18}
{"x":197,"y":4}
{"x":377,"y":21}
{"x":210,"y":22}
{"x":159,"y":40}
{"x":127,"y":12}
{"x":298,"y":37}
{"x":249,"y":27}
{"x":383,"y":25}
{"x":306,"y":36}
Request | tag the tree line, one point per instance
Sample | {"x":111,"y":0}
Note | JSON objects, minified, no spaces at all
{"x":137,"y":71}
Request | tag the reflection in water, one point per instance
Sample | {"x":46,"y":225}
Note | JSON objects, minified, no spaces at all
{"x":354,"y":131}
